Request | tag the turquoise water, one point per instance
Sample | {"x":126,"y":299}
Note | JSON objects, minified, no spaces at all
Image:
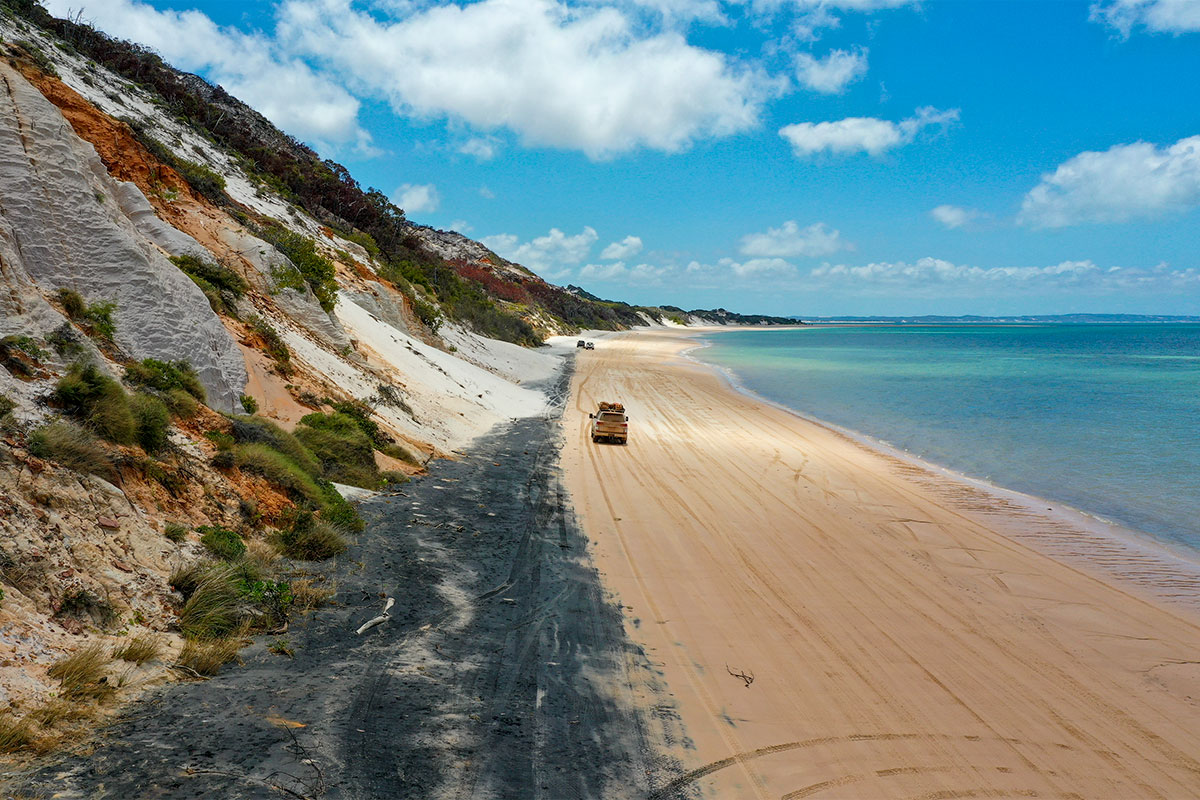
{"x":1105,"y":418}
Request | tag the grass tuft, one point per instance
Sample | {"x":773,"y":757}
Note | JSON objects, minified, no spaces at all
{"x":140,"y":649}
{"x":175,"y":532}
{"x":70,"y":445}
{"x":15,"y":734}
{"x":222,"y":542}
{"x":311,"y":539}
{"x":81,"y":675}
{"x":307,"y":595}
{"x":214,"y":603}
{"x":206,"y":657}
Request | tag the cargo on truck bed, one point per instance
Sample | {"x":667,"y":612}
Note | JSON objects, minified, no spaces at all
{"x":609,"y":423}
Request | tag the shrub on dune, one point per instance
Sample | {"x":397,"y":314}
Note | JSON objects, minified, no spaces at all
{"x":70,"y":445}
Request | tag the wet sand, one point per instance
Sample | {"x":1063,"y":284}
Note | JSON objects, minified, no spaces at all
{"x":903,"y":636}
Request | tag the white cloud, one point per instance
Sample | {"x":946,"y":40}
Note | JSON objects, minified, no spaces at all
{"x":937,"y":277}
{"x":1118,"y":184}
{"x":954,"y":216}
{"x":629,"y":246}
{"x":461,"y":226}
{"x":759,"y":266}
{"x":486,"y":193}
{"x":1156,"y":16}
{"x":483,"y":148}
{"x":590,"y":78}
{"x":251,"y":67}
{"x":791,"y":240}
{"x":833,"y":73}
{"x":645,"y":274}
{"x":862,"y":134}
{"x":415,"y":198}
{"x":546,"y":253}
{"x":815,"y":15}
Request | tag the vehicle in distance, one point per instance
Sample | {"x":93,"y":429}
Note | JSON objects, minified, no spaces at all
{"x":590,"y":346}
{"x":580,"y":343}
{"x":610,"y":423}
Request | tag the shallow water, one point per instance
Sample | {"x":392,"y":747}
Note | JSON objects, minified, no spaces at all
{"x":1105,"y":418}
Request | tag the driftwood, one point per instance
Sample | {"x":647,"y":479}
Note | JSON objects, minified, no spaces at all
{"x":748,"y":679}
{"x":382,"y":618}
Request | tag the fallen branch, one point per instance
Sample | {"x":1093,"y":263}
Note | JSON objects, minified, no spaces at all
{"x":749,"y":679}
{"x":382,"y":618}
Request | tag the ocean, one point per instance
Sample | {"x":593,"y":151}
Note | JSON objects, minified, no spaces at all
{"x":1103,"y":418}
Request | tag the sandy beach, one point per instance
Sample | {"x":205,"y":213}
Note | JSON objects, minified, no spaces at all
{"x":833,"y":621}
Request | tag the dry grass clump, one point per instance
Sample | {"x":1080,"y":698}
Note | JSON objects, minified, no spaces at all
{"x":73,"y":447}
{"x":15,"y":734}
{"x":140,"y":649}
{"x":261,"y":554}
{"x":207,"y":656}
{"x":214,"y":605}
{"x":307,"y":595}
{"x":81,"y":675}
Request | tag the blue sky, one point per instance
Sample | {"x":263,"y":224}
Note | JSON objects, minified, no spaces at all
{"x":817,"y":157}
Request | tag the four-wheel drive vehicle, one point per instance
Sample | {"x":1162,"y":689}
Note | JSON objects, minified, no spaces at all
{"x":610,"y":423}
{"x":580,"y":343}
{"x":590,"y":346}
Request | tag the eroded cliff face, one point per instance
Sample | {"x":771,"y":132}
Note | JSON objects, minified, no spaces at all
{"x":63,"y":225}
{"x":85,"y":206}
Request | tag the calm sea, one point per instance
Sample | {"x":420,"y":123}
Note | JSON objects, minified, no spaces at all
{"x":1105,"y":418}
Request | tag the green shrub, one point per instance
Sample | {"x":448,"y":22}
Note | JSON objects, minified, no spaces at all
{"x":180,"y":403}
{"x":337,"y":512}
{"x":175,"y":532}
{"x":310,"y":539}
{"x":202,"y":179}
{"x":65,"y":340}
{"x":6,"y":405}
{"x":73,"y":447}
{"x":317,"y":271}
{"x":222,"y":542}
{"x":72,"y":303}
{"x":249,"y":404}
{"x":20,"y":355}
{"x":153,"y":422}
{"x":274,"y":345}
{"x":345,"y":452}
{"x":273,"y":598}
{"x":165,"y":376}
{"x":223,"y":459}
{"x":214,"y":604}
{"x":249,"y":430}
{"x":88,"y":394}
{"x":277,"y":468}
{"x":221,"y":285}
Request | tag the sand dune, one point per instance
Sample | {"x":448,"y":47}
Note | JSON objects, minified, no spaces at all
{"x":900,"y":644}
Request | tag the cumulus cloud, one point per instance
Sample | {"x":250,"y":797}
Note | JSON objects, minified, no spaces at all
{"x":954,"y":216}
{"x":1121,"y":183}
{"x":935,"y":276}
{"x":862,"y":134}
{"x":590,"y":78}
{"x":813,"y":16}
{"x":756,"y":267}
{"x":629,"y":246}
{"x":833,"y":73}
{"x":645,"y":274}
{"x":789,"y":240}
{"x":549,"y":253}
{"x":251,"y":67}
{"x":1156,"y":16}
{"x":483,"y":148}
{"x":415,"y":198}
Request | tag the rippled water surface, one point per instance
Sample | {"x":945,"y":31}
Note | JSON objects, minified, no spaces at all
{"x":1105,"y":418}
